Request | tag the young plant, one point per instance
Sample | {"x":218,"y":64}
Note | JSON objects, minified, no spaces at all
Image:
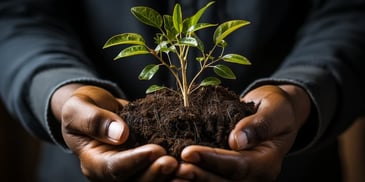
{"x":175,"y":38}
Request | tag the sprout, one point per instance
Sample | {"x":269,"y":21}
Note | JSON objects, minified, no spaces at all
{"x":175,"y":38}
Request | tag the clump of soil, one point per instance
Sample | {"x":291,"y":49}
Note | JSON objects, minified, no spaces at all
{"x":161,"y":118}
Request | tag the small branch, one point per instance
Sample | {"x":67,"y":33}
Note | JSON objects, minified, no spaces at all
{"x":202,"y":68}
{"x":163,"y":62}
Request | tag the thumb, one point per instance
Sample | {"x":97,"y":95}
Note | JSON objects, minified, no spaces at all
{"x":250,"y":131}
{"x":80,"y":116}
{"x":274,"y":120}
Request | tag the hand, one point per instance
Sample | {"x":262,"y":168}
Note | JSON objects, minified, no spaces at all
{"x":259,"y":142}
{"x":95,"y":133}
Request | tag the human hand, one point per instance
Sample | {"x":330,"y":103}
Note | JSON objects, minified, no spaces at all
{"x":96,"y":134}
{"x":259,"y":142}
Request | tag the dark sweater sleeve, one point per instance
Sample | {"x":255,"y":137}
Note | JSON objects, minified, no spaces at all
{"x":38,"y":54}
{"x":327,"y":62}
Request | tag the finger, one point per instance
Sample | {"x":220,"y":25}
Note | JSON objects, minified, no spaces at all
{"x":274,"y":117}
{"x":102,"y":163}
{"x":100,"y":97}
{"x":80,"y":116}
{"x":190,"y":172}
{"x":262,"y":162}
{"x":255,"y":129}
{"x":219,"y":161}
{"x":176,"y":179}
{"x":160,"y":170}
{"x":123,"y":102}
{"x":249,"y":132}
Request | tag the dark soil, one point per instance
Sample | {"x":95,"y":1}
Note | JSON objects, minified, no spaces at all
{"x":161,"y":118}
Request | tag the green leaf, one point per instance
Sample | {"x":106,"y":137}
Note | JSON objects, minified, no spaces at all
{"x":147,"y":16}
{"x":201,"y":45}
{"x":200,"y":26}
{"x":125,"y":38}
{"x":196,"y":17}
{"x":224,"y":71}
{"x":236,"y":58}
{"x":226,"y":28}
{"x":169,"y":27}
{"x":154,"y":88}
{"x":177,"y":18}
{"x":172,"y":48}
{"x":148,"y":72}
{"x":200,"y":59}
{"x":186,"y":24}
{"x":162,"y":46}
{"x":210,"y":81}
{"x":222,"y":44}
{"x":132,"y":51}
{"x":189,"y":41}
{"x":193,"y":20}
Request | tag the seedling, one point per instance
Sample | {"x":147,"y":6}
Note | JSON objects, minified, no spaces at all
{"x":175,"y":38}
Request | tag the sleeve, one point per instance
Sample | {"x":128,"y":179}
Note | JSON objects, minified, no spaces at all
{"x":38,"y":54}
{"x":327,"y":61}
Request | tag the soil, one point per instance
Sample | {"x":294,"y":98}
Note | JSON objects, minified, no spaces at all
{"x":160,"y":118}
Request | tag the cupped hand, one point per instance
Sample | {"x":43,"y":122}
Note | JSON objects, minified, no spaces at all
{"x":97,"y":135}
{"x":259,"y":142}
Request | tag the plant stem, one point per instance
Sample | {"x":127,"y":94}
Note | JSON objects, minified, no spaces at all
{"x":168,"y":66}
{"x":202,"y":68}
{"x":185,"y":84}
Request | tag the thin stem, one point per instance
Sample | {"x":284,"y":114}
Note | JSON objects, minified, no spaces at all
{"x":185,"y":88}
{"x":202,"y":68}
{"x":163,"y":62}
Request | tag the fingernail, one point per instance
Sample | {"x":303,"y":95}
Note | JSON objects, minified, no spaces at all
{"x":241,"y":140}
{"x":190,"y":156}
{"x":193,"y":157}
{"x":115,"y":130}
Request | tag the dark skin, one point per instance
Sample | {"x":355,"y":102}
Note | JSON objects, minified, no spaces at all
{"x":258,"y":142}
{"x":85,"y":113}
{"x":281,"y":112}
